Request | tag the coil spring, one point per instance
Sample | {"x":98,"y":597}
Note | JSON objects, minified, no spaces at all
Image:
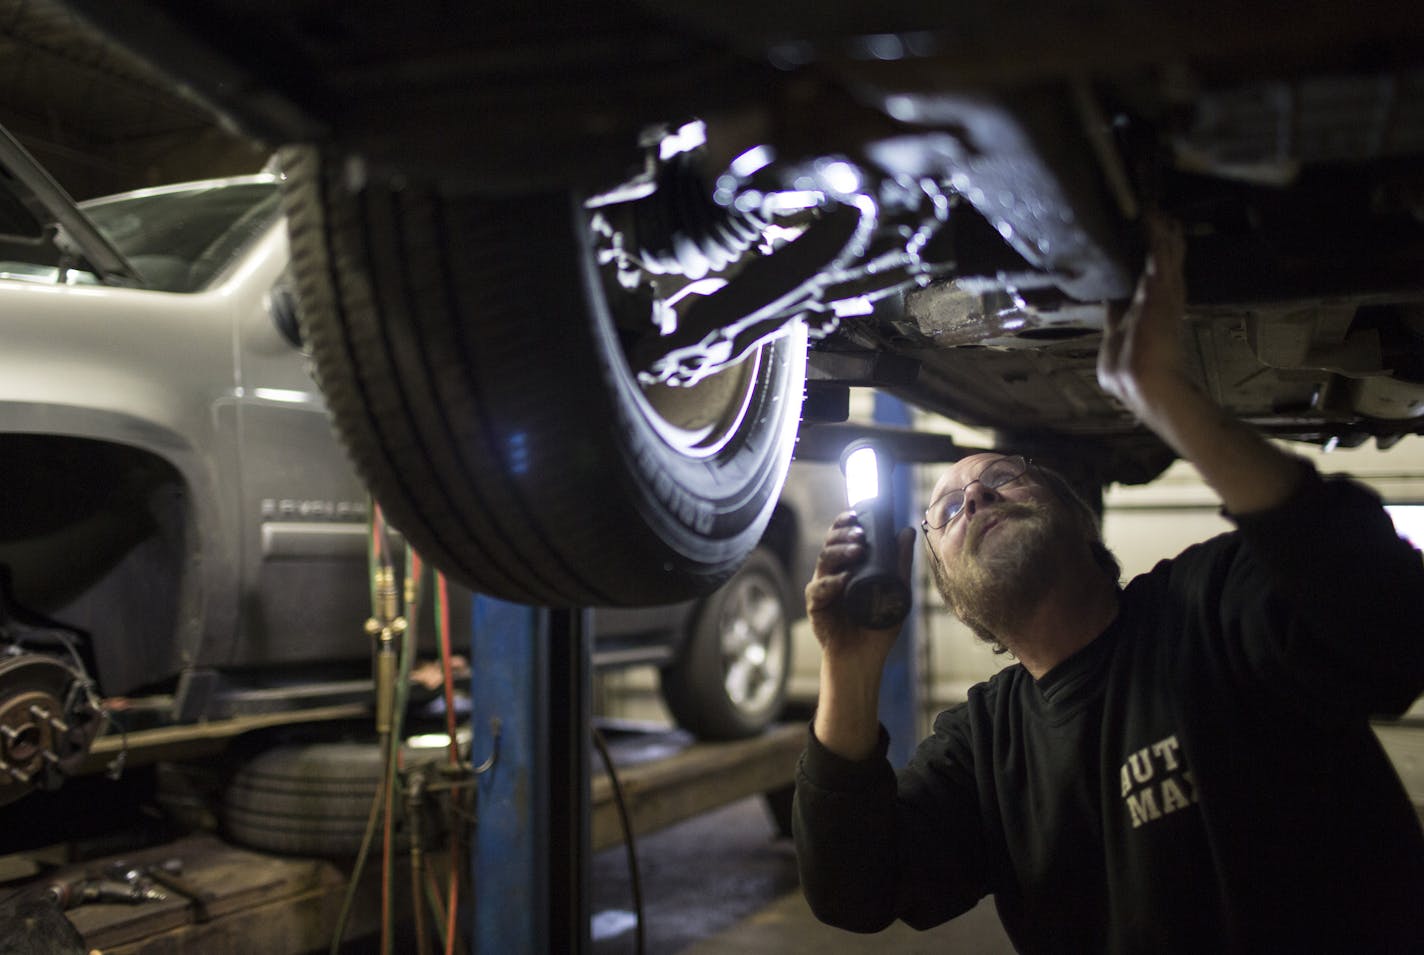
{"x":680,"y":230}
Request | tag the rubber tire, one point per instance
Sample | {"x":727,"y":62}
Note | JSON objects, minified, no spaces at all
{"x":313,"y":799}
{"x":472,"y":370}
{"x":694,"y":685}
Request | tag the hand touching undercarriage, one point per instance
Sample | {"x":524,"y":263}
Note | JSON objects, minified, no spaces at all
{"x":1140,"y":363}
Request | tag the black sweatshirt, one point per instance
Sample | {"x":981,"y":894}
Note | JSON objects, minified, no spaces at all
{"x":1202,"y":777}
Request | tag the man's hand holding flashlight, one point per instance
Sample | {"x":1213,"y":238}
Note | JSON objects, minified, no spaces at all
{"x":852,"y":656}
{"x":843,"y":553}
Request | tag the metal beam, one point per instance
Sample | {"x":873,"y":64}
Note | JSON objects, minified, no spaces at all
{"x":900,"y":686}
{"x":825,"y":442}
{"x":530,"y":673}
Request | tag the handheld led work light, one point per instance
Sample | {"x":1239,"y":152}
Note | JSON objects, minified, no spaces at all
{"x":875,"y":596}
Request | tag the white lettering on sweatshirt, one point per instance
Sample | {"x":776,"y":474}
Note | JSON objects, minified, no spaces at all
{"x":1156,"y":782}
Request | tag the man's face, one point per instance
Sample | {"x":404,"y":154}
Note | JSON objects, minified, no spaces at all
{"x":986,"y":512}
{"x":1002,"y":547}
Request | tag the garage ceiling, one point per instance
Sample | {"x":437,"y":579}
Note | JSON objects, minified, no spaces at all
{"x":99,"y":120}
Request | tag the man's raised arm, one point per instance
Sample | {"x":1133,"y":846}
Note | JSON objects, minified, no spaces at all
{"x":1140,"y":363}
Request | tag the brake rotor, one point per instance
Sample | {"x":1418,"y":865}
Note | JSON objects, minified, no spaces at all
{"x":47,"y":723}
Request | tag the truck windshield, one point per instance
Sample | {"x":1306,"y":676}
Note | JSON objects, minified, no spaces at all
{"x":181,"y":238}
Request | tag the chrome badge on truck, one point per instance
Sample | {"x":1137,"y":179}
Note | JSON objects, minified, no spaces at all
{"x":302,"y":509}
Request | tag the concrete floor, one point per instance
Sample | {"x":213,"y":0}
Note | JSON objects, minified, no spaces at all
{"x":787,"y":927}
{"x":725,"y":882}
{"x":699,"y":878}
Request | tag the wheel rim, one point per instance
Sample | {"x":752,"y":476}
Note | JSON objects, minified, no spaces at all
{"x":752,"y":636}
{"x":700,"y":420}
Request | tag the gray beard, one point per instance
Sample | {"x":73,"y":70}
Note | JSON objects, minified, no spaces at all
{"x":994,"y":591}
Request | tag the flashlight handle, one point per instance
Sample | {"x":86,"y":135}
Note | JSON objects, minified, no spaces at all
{"x":876,"y":596}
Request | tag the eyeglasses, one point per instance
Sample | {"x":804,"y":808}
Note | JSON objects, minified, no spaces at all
{"x":996,"y":474}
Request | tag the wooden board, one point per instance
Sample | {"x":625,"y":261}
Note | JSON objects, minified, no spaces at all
{"x":691,"y":778}
{"x":252,"y":902}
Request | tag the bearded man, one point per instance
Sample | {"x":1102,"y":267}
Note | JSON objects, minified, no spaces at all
{"x":1181,"y":764}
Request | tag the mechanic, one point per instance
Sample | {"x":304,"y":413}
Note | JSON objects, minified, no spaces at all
{"x":1184,"y":764}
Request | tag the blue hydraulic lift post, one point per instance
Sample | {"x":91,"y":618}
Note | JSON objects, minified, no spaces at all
{"x":530,"y":669}
{"x":899,"y":689}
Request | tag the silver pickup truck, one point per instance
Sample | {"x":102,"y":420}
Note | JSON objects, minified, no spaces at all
{"x":182,"y":538}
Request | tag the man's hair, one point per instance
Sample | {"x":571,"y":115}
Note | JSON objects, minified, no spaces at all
{"x":1082,"y":513}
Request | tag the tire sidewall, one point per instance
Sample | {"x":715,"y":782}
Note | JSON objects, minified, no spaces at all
{"x":710,"y":510}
